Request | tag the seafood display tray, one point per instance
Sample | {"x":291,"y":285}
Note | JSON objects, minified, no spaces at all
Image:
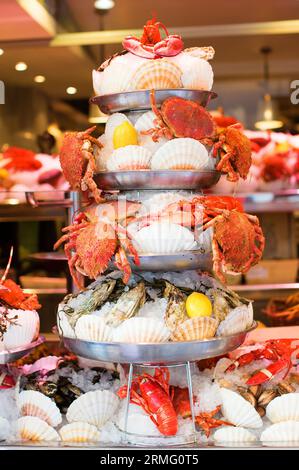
{"x":14,"y":354}
{"x":156,"y":180}
{"x":156,"y":353}
{"x":140,"y":100}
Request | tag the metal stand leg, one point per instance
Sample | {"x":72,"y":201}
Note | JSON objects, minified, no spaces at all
{"x":129,"y":386}
{"x":75,"y":197}
{"x":190,"y":389}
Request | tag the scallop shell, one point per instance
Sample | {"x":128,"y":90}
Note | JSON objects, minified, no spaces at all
{"x":286,"y":431}
{"x":164,"y":237}
{"x":33,"y":403}
{"x":4,"y":428}
{"x":180,"y":154}
{"x":145,"y":121}
{"x":157,"y":74}
{"x":95,"y":407}
{"x":93,"y":328}
{"x":239,"y":411}
{"x":34,"y":429}
{"x":206,"y":53}
{"x":24,"y":331}
{"x":142,"y":330}
{"x":139,"y":424}
{"x":114,"y":121}
{"x":233,"y":434}
{"x":196,"y":329}
{"x":284,"y":408}
{"x":199,"y":75}
{"x":238,"y":319}
{"x":79,"y":432}
{"x":131,"y":157}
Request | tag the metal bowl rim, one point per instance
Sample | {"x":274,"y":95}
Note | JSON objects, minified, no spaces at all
{"x":40,"y":340}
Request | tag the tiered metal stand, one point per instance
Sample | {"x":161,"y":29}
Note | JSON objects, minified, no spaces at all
{"x":178,"y":354}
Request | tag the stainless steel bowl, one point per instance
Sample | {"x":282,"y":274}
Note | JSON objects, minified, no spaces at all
{"x":156,"y":353}
{"x":140,"y":100}
{"x":14,"y":354}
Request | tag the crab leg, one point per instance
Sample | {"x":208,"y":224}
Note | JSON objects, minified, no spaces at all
{"x":122,"y":263}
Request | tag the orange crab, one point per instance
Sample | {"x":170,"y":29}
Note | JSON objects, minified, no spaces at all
{"x":95,"y":236}
{"x":238,"y":241}
{"x":77,"y":159}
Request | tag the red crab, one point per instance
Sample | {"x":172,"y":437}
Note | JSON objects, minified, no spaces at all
{"x":274,"y":167}
{"x":151,"y":45}
{"x":78,"y":162}
{"x":21,"y":159}
{"x":95,"y":236}
{"x":206,"y":420}
{"x":179,"y":117}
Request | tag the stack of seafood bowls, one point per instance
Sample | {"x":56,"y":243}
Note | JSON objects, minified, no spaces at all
{"x":156,"y":248}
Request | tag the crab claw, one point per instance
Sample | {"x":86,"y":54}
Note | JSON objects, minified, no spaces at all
{"x":133,"y":45}
{"x":170,"y":46}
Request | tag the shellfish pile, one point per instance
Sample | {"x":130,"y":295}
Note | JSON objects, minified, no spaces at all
{"x":152,"y":309}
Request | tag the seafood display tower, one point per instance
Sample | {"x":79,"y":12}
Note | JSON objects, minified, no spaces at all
{"x":161,"y":149}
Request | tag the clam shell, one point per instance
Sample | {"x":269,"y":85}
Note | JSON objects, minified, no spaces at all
{"x":34,"y":429}
{"x":24,"y":331}
{"x":114,"y":121}
{"x":32,"y":403}
{"x":95,"y":407}
{"x":286,"y":431}
{"x":233,"y":434}
{"x":157,"y":74}
{"x":239,"y":411}
{"x":284,"y":408}
{"x":4,"y":428}
{"x":142,"y":330}
{"x":131,"y":157}
{"x":93,"y":328}
{"x":79,"y":432}
{"x":180,"y":154}
{"x":164,"y":237}
{"x":196,"y":329}
{"x":238,"y":319}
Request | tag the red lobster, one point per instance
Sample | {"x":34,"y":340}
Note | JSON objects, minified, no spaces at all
{"x":280,"y":351}
{"x":151,"y":45}
{"x":153,"y":395}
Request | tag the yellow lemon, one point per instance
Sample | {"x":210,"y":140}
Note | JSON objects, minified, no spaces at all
{"x":198,"y":305}
{"x":3,"y":173}
{"x":124,"y":134}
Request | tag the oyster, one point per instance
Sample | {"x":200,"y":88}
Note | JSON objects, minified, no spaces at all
{"x":224,"y":300}
{"x":176,"y":306}
{"x":127,"y":305}
{"x":74,"y":306}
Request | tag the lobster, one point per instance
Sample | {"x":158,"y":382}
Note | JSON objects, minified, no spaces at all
{"x":280,"y":351}
{"x":153,"y":394}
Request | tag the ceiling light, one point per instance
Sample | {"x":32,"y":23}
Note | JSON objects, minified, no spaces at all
{"x":71,"y":90}
{"x":104,"y":4}
{"x":21,"y":66}
{"x":39,"y":79}
{"x":1,"y":51}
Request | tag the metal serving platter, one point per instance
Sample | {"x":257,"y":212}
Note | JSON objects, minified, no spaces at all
{"x":14,"y":354}
{"x":140,"y":100}
{"x":162,"y":179}
{"x":156,"y":353}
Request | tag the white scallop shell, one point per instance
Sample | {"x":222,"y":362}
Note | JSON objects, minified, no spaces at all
{"x":95,"y":407}
{"x":206,"y":53}
{"x":144,"y":123}
{"x":131,"y":157}
{"x":24,"y":331}
{"x":164,"y":237}
{"x":139,"y":424}
{"x":33,"y":403}
{"x":34,"y":429}
{"x":238,"y":319}
{"x":63,"y":325}
{"x":93,"y":328}
{"x":114,"y":121}
{"x":197,"y":73}
{"x":4,"y":428}
{"x":79,"y":432}
{"x":286,"y":431}
{"x":103,"y":155}
{"x":142,"y":330}
{"x":284,"y":408}
{"x":233,"y":434}
{"x":179,"y":154}
{"x":238,"y":411}
{"x":157,"y":74}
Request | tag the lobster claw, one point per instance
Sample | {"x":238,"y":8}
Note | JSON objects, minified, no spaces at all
{"x":133,"y":45}
{"x":170,"y":46}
